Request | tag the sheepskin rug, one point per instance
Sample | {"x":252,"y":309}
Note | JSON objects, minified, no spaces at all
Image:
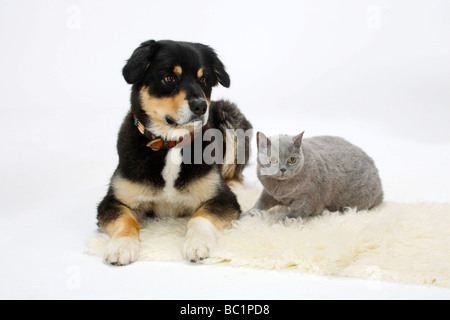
{"x":408,"y":243}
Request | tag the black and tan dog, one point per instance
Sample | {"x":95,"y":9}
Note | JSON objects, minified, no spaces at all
{"x":171,"y":91}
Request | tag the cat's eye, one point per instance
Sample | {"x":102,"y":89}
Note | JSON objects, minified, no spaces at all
{"x":273,"y":160}
{"x":292,"y":159}
{"x":170,"y":79}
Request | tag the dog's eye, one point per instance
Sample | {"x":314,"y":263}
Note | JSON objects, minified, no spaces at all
{"x":202,"y":80}
{"x":170,"y":79}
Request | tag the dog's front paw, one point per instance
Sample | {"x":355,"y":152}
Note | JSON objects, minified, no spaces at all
{"x":196,"y":249}
{"x":200,"y":239}
{"x":122,"y":251}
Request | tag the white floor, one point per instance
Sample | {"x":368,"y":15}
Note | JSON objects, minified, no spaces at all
{"x":56,"y":171}
{"x":374,"y":73}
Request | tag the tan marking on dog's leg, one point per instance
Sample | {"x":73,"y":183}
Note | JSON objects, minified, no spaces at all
{"x":202,"y":232}
{"x":235,"y":180}
{"x":123,"y":247}
{"x":216,"y":220}
{"x":230,"y":158}
{"x":228,"y":171}
{"x":124,"y":226}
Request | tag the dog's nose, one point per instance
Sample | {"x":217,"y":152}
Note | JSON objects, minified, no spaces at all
{"x":198,"y":106}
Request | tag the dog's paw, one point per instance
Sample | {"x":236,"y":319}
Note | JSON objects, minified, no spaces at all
{"x":196,"y":249}
{"x":122,"y":251}
{"x":201,"y":237}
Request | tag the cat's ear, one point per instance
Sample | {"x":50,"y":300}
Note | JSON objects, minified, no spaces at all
{"x":298,"y":140}
{"x":262,"y":141}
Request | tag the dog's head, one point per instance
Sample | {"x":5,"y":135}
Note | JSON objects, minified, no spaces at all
{"x":172,"y":84}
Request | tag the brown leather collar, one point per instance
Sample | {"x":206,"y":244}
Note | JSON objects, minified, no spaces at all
{"x":157,"y":143}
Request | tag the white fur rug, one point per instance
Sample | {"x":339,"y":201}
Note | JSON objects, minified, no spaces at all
{"x":407,"y":243}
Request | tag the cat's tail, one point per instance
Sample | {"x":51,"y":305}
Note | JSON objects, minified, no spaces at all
{"x":237,"y":134}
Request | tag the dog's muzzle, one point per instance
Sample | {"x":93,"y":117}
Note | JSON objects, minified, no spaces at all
{"x":198,"y":106}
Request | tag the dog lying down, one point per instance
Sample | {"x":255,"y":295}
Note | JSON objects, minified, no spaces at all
{"x":177,"y":149}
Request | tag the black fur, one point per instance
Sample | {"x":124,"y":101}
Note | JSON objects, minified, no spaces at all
{"x":146,"y":69}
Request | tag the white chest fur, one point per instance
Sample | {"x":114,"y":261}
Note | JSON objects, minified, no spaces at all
{"x":168,"y":201}
{"x":171,"y":171}
{"x":171,"y":202}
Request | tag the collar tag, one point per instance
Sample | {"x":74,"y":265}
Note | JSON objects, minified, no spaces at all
{"x":157,"y":144}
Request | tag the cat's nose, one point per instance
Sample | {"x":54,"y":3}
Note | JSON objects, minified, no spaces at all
{"x":283,"y":170}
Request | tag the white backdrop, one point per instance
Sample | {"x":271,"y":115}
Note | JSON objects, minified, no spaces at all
{"x":385,"y":61}
{"x":376,"y":72}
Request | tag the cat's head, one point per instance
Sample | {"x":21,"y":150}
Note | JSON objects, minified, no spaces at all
{"x":279,"y":156}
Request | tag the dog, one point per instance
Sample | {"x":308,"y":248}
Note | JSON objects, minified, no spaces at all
{"x":158,"y":174}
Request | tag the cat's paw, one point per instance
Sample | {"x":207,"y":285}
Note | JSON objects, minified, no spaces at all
{"x":122,"y":251}
{"x":251,"y":213}
{"x":292,"y":216}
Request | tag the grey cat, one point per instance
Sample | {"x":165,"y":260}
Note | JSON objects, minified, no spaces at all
{"x":314,"y":174}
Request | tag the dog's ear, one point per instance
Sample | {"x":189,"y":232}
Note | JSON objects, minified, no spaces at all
{"x":140,"y":60}
{"x":221,"y":76}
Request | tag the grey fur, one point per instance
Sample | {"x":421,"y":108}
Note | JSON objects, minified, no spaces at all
{"x":328,"y":173}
